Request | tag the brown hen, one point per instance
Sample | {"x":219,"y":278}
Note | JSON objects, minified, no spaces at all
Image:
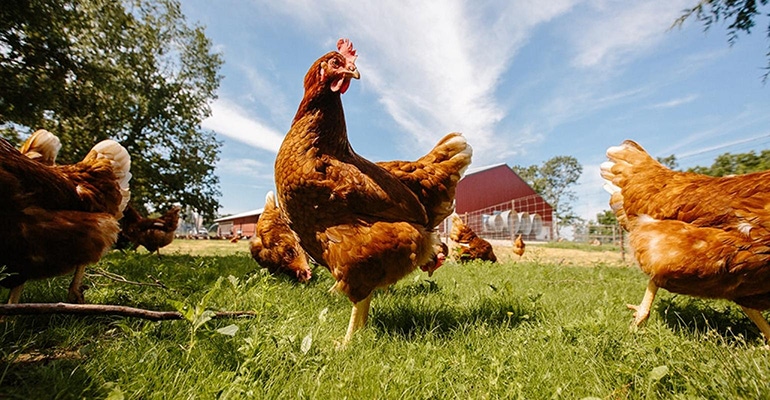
{"x":275,"y":246}
{"x":470,"y":246}
{"x":57,"y":219}
{"x":152,"y":233}
{"x":370,"y":226}
{"x":518,"y":246}
{"x":693,"y":234}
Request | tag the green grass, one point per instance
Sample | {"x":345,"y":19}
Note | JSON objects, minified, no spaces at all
{"x":516,"y":330}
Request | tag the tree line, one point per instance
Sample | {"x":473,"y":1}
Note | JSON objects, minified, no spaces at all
{"x":133,"y":70}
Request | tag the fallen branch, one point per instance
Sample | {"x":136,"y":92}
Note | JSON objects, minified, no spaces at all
{"x":103,"y":309}
{"x":121,"y":279}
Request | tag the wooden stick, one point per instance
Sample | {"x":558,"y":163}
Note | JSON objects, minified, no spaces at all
{"x":121,"y":279}
{"x":103,"y":309}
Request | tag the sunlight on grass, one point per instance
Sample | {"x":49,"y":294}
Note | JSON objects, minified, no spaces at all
{"x":529,"y":329}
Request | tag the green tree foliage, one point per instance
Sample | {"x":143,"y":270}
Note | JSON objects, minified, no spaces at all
{"x":740,"y":15}
{"x":606,"y":217}
{"x":553,"y":181}
{"x":669,"y":161}
{"x":134,"y":71}
{"x":736,"y":164}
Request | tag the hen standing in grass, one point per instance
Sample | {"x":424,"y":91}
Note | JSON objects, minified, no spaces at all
{"x":470,"y":245}
{"x":518,"y":246}
{"x":693,"y":234}
{"x":275,"y":246}
{"x":368,"y":225}
{"x":57,"y":219}
{"x":152,"y":233}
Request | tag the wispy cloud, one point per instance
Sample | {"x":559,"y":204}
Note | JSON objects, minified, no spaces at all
{"x":230,"y":120}
{"x":435,"y":66}
{"x":617,"y":32}
{"x":676,"y":102}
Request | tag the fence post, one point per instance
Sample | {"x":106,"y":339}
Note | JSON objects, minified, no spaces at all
{"x":622,"y":244}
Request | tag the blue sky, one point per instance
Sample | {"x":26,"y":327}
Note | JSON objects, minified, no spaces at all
{"x":523,"y":80}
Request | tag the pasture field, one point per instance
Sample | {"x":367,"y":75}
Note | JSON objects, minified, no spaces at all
{"x":551,"y":325}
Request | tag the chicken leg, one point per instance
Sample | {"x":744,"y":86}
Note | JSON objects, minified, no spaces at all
{"x":759,"y":321}
{"x":358,"y":318}
{"x":75,"y":293}
{"x":642,"y":311}
{"x":15,"y":295}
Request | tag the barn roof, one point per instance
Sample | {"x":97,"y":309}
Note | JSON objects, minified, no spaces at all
{"x":471,"y":171}
{"x":491,"y":185}
{"x":251,"y":213}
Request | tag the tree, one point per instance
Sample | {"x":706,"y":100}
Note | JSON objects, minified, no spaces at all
{"x":735,"y":164}
{"x":669,"y":161}
{"x":739,"y":14}
{"x":134,"y":71}
{"x":552,"y":180}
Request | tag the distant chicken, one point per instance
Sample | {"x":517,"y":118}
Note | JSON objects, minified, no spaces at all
{"x":471,"y":247}
{"x":152,"y":233}
{"x":369,"y":225}
{"x":276,"y":247}
{"x":693,"y":234}
{"x":518,"y":246}
{"x":58,"y":219}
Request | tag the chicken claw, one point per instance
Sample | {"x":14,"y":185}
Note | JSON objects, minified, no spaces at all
{"x":642,"y":311}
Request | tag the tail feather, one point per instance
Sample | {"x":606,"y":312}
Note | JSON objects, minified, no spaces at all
{"x":42,"y":146}
{"x":121,"y":165}
{"x":624,"y":163}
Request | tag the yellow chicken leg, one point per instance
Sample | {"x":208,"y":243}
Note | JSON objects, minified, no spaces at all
{"x":759,"y":321}
{"x":642,"y":311}
{"x":358,"y":318}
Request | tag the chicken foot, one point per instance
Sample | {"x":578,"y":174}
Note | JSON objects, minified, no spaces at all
{"x":75,"y":293}
{"x":760,"y":321}
{"x":15,"y":295}
{"x":642,"y":311}
{"x":358,"y":318}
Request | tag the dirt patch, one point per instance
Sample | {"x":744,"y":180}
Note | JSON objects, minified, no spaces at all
{"x":36,"y":357}
{"x":536,"y":252}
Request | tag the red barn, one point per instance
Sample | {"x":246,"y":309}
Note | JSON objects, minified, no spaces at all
{"x":243,"y":224}
{"x":496,"y":203}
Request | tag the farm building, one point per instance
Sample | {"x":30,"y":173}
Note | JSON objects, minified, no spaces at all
{"x":497,"y":204}
{"x":244,"y":224}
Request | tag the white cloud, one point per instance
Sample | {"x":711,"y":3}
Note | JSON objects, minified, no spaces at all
{"x":435,"y":66}
{"x":676,"y":102}
{"x":619,"y":31}
{"x":230,"y":120}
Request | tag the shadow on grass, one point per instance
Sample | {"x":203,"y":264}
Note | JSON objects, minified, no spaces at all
{"x":413,"y":318}
{"x":698,"y":316}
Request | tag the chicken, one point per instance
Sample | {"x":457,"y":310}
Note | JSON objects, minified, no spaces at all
{"x":518,"y":246}
{"x":58,"y":219}
{"x":370,"y":226}
{"x":275,"y":246}
{"x":42,"y":146}
{"x":693,"y":234}
{"x":152,"y":233}
{"x":471,"y":247}
{"x":440,"y":252}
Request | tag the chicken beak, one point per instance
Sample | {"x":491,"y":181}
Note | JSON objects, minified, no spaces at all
{"x":354,"y":72}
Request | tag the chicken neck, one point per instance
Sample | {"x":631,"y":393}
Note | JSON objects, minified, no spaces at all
{"x":320,"y":119}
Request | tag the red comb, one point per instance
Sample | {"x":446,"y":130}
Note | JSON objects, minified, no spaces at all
{"x":345,"y":47}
